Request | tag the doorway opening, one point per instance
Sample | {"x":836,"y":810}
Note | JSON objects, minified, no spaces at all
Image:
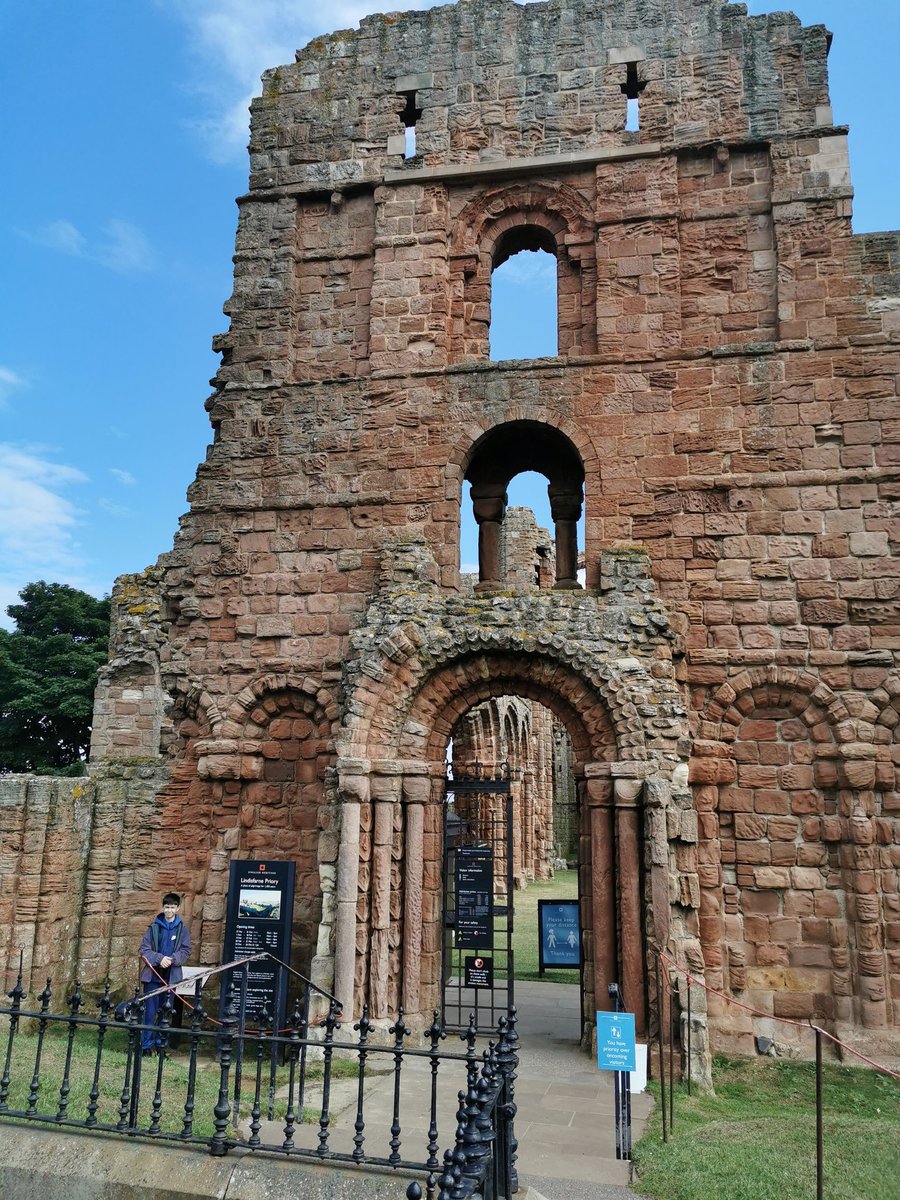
{"x":511,"y":900}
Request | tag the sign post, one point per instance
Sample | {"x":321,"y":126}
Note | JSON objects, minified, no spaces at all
{"x":258,"y":919}
{"x":559,"y":934}
{"x":616,"y":1052}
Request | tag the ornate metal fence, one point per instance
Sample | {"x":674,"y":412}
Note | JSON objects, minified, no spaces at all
{"x":315,"y":1090}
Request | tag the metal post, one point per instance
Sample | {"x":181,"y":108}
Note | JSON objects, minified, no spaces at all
{"x":670,"y":995}
{"x":218,"y":1145}
{"x":689,"y":1033}
{"x":820,"y":1164}
{"x":662,"y":1061}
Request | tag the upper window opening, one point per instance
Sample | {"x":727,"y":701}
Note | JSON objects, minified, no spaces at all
{"x":409,"y":116}
{"x":524,"y":299}
{"x":529,"y":450}
{"x":632,"y":88}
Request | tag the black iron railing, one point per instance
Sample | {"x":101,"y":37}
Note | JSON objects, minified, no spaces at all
{"x":316,"y":1089}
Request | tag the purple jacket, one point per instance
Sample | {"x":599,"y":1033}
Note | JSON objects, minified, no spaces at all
{"x":160,"y":941}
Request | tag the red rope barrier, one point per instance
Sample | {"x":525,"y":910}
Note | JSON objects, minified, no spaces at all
{"x":666,"y":959}
{"x":170,"y":987}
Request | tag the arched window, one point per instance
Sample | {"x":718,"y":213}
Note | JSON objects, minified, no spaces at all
{"x":523,"y":231}
{"x":524,"y":299}
{"x":501,"y":455}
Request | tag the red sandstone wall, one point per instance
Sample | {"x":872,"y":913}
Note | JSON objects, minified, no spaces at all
{"x":728,"y":375}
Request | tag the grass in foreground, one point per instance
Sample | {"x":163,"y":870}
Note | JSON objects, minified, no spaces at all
{"x":755,"y":1139}
{"x":112,"y":1075}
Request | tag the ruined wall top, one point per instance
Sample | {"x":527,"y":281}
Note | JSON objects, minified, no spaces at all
{"x":485,"y":81}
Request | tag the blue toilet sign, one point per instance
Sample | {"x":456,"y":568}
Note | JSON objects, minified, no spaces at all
{"x":615,"y":1041}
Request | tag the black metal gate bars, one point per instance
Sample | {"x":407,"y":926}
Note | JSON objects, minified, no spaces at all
{"x":477,"y":970}
{"x":273,"y":1090}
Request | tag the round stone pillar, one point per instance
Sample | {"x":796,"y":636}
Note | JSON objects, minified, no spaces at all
{"x":489,"y":506}
{"x":565,"y":508}
{"x":353,"y":788}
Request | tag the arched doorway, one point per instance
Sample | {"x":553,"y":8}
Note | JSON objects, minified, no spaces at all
{"x":390,"y":929}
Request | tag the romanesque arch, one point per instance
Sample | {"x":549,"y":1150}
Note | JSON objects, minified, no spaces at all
{"x":420,"y":680}
{"x":500,"y":222}
{"x":497,"y":457}
{"x":789,"y":831}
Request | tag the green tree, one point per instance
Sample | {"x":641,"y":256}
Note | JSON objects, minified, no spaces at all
{"x":48,"y":671}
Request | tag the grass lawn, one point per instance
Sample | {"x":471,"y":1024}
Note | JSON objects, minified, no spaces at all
{"x":564,"y":886}
{"x":755,"y":1139}
{"x":112,"y":1075}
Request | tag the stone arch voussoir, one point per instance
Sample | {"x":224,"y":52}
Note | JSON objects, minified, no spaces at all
{"x":316,"y":701}
{"x":389,"y":716}
{"x":555,"y":207}
{"x":798,"y":691}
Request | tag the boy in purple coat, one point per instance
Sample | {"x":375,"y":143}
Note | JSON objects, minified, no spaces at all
{"x":165,"y":947}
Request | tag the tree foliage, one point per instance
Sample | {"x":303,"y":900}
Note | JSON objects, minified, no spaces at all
{"x":48,"y":671}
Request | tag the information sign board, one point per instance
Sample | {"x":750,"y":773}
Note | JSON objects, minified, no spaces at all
{"x":258,"y":918}
{"x":559,"y":932}
{"x":474,"y":898}
{"x":615,"y":1041}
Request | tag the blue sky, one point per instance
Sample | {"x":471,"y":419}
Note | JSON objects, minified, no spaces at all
{"x":124,"y":138}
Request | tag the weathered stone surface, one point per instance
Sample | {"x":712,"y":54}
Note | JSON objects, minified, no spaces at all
{"x":723,"y":407}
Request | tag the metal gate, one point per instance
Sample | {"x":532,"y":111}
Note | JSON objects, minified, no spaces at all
{"x":477,"y":965}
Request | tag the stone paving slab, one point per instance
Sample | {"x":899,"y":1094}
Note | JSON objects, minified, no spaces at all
{"x":565,"y":1124}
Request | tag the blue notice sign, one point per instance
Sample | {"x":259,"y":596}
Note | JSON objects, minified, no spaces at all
{"x":615,"y":1041}
{"x":560,"y":934}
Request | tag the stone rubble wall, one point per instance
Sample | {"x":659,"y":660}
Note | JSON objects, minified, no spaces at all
{"x":80,"y":874}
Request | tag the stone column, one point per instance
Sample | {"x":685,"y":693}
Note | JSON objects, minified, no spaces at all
{"x":489,"y":505}
{"x":385,"y":794}
{"x":862,"y":857}
{"x":354,"y":791}
{"x":416,"y":793}
{"x":531,"y":838}
{"x":628,"y":860}
{"x":517,"y":837}
{"x":604,"y":968}
{"x":565,"y":508}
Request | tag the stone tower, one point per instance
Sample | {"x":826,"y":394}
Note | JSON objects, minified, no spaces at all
{"x":723,"y":407}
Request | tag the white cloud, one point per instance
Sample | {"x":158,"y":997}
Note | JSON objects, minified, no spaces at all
{"x":114,"y":510}
{"x":235,"y":41}
{"x":123,"y":248}
{"x":9,"y":383}
{"x":119,"y":246}
{"x":38,"y":523}
{"x":124,"y":477}
{"x":61,"y":236}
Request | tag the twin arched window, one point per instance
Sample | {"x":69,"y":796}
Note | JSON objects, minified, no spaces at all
{"x":497,"y":458}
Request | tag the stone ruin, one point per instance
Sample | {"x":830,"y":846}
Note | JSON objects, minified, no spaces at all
{"x":286,"y":680}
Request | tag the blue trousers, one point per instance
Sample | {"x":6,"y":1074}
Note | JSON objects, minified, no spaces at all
{"x":152,"y":1039}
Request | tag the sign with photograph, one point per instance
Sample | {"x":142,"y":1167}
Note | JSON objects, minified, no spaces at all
{"x":258,"y":918}
{"x":474,"y":898}
{"x":559,"y":931}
